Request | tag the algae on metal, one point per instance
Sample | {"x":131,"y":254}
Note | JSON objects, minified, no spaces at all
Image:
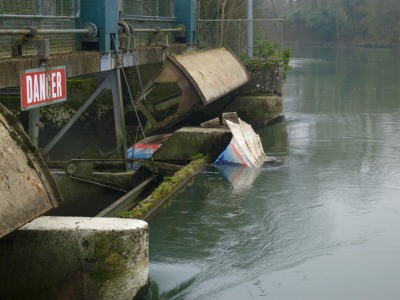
{"x":168,"y":187}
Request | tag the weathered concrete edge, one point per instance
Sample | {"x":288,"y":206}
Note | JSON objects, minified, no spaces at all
{"x":27,"y":189}
{"x":83,"y":223}
{"x":106,"y":258}
{"x":34,"y":155}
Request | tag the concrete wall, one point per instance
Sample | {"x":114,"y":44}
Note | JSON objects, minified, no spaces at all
{"x":77,"y":63}
{"x":80,"y":62}
{"x":75,"y":258}
{"x":266,"y":80}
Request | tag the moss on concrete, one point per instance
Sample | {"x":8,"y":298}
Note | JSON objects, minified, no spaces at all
{"x":169,"y":186}
{"x":267,"y":78}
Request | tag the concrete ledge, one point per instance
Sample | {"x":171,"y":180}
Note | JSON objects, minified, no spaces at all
{"x":75,"y":258}
{"x":257,"y":110}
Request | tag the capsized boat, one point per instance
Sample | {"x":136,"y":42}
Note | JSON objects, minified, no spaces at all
{"x":145,"y":148}
{"x":245,"y":147}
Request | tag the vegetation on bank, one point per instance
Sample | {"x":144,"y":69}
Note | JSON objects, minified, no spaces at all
{"x":358,"y":22}
{"x":267,"y":54}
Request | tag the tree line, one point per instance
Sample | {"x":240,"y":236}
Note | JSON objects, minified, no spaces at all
{"x":358,"y":22}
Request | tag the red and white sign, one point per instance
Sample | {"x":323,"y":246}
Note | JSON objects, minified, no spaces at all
{"x":43,"y":86}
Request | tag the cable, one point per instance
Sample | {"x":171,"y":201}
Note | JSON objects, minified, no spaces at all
{"x":130,"y":94}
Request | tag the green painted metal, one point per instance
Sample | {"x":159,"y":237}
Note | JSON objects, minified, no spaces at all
{"x":186,"y":14}
{"x":104,"y":14}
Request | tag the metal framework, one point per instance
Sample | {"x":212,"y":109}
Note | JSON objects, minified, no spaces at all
{"x":142,"y":14}
{"x":42,"y":14}
{"x":148,"y":9}
{"x":54,"y":18}
{"x":233,"y":34}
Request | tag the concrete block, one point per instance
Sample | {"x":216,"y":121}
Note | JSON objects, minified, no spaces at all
{"x":75,"y":258}
{"x":186,"y":142}
{"x":257,"y":110}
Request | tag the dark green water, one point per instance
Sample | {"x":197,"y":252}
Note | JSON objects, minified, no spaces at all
{"x":324,"y":221}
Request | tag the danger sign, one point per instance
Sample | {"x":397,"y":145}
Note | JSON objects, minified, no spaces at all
{"x":43,"y":86}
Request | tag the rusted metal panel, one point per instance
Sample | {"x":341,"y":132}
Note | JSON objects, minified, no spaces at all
{"x":213,"y":73}
{"x":27,"y":189}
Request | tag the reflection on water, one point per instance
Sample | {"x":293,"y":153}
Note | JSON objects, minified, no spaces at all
{"x":240,"y":178}
{"x":320,"y":224}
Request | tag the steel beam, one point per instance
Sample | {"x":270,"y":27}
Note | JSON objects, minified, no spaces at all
{"x":119,"y":116}
{"x":77,"y":115}
{"x":128,"y":201}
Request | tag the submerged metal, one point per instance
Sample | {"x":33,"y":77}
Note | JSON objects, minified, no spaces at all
{"x":27,"y":189}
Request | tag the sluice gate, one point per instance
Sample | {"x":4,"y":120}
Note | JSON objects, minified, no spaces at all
{"x":188,"y":82}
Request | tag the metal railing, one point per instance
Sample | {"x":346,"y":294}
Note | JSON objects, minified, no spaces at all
{"x":142,"y":14}
{"x":148,"y":9}
{"x":53,"y":18}
{"x":233,"y":34}
{"x":46,"y":15}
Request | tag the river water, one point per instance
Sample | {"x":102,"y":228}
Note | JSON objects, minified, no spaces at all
{"x":323,"y":221}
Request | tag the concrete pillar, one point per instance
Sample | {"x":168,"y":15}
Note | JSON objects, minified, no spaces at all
{"x":75,"y":258}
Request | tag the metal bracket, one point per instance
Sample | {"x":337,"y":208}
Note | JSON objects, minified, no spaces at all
{"x":93,"y":32}
{"x":82,"y":170}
